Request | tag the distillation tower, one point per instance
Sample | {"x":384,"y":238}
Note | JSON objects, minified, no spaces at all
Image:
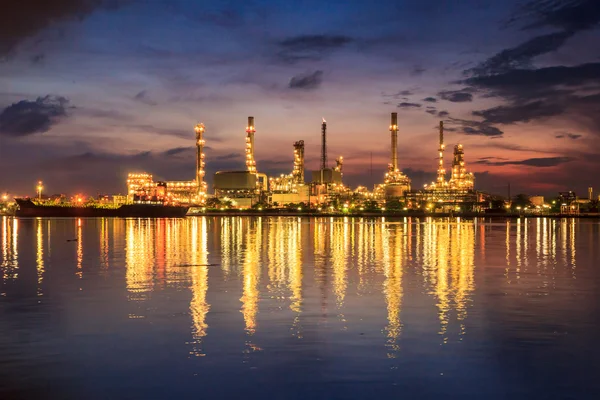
{"x":289,"y":183}
{"x":395,"y":183}
{"x":298,"y":171}
{"x":323,"y":145}
{"x":142,"y":187}
{"x":441,"y":172}
{"x":242,"y":189}
{"x":290,"y":188}
{"x":461,"y":179}
{"x":445,"y":195}
{"x":250,"y":162}
{"x":200,"y":172}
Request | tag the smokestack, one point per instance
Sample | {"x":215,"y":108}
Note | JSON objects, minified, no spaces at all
{"x":441,"y":172}
{"x":201,"y":185}
{"x":324,"y":144}
{"x":394,"y":130}
{"x":250,"y":162}
{"x":591,"y":193}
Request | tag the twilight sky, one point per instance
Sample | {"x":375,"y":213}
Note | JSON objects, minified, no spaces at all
{"x":93,"y":89}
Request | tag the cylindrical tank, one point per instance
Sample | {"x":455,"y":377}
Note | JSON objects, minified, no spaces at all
{"x":234,"y":180}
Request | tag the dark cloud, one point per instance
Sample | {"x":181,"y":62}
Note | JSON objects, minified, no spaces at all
{"x":521,"y":56}
{"x":569,"y":92}
{"x":406,"y":106}
{"x":519,"y":113}
{"x":431,"y":111}
{"x":417,"y":70}
{"x":105,"y":114}
{"x":492,"y":158}
{"x":400,"y":95}
{"x":443,"y":114}
{"x":456,"y":96}
{"x":29,"y":117}
{"x":224,"y":14}
{"x":430,"y":99}
{"x":310,"y":47}
{"x":38,"y":59}
{"x":143,"y":97}
{"x":177,"y":151}
{"x":307,"y":81}
{"x":533,"y":83}
{"x":25,"y":18}
{"x":573,"y":136}
{"x":511,"y":146}
{"x":569,"y":15}
{"x":230,"y":156}
{"x":530,"y":162}
{"x":474,"y":127}
{"x":538,"y":79}
{"x":177,"y":132}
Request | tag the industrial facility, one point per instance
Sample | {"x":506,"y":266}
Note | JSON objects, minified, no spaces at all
{"x":141,"y":187}
{"x":291,"y":188}
{"x":395,"y":184}
{"x":448,"y":195}
{"x":327,"y":182}
{"x":250,"y":188}
{"x":246,"y":187}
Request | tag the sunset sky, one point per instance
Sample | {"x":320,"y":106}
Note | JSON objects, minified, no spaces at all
{"x":91,"y":90}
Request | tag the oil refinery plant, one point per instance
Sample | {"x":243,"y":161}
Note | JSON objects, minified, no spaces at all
{"x":247,"y":188}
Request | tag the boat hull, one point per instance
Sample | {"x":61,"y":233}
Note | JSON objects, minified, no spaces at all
{"x":26,"y":208}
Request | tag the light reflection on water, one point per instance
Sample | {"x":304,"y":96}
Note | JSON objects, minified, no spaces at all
{"x":325,"y":301}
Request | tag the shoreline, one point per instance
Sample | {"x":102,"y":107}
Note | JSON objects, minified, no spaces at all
{"x":399,"y":214}
{"x":364,"y":214}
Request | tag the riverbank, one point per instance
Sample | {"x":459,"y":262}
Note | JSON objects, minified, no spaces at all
{"x":387,"y":214}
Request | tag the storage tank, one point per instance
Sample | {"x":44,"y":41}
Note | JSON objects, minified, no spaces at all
{"x":234,"y":180}
{"x":395,"y":191}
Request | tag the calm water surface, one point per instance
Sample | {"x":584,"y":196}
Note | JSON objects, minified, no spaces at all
{"x":298,"y":308}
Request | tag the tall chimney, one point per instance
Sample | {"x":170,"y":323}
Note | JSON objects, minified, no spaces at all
{"x":324,"y":144}
{"x":591,"y":193}
{"x":201,"y":185}
{"x":250,"y":162}
{"x":394,"y":130}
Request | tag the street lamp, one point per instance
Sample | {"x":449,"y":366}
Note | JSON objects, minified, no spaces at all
{"x":40,"y":187}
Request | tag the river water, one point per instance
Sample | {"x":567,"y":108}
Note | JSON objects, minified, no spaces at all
{"x":299,"y":308}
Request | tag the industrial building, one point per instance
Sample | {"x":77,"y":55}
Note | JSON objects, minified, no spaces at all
{"x":141,"y":187}
{"x":457,"y":193}
{"x":242,"y":188}
{"x":327,"y":182}
{"x":290,"y":188}
{"x":395,"y":184}
{"x":246,"y":188}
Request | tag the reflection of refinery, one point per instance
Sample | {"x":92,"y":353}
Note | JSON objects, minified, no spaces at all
{"x":251,"y":189}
